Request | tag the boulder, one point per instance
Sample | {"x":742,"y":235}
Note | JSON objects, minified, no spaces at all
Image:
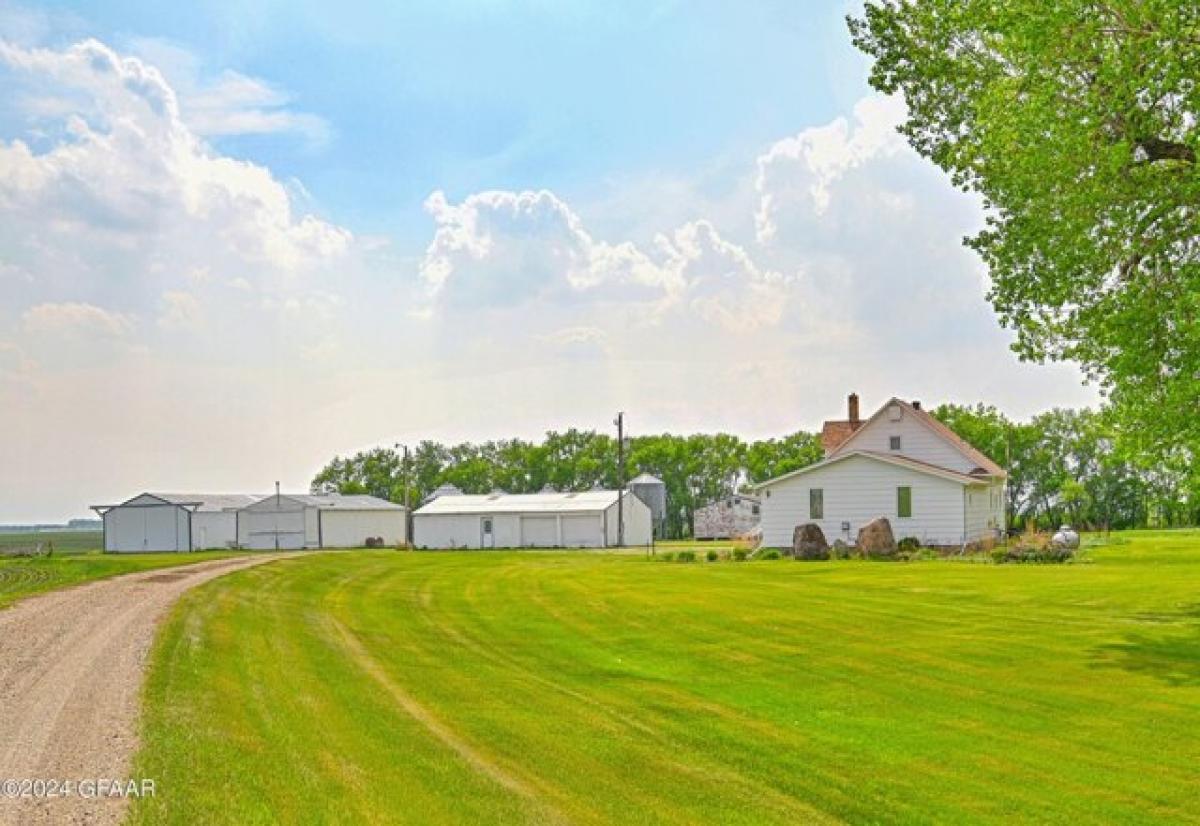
{"x":808,"y":542}
{"x":875,"y":539}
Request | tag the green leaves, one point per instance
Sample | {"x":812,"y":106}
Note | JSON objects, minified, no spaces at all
{"x":1077,"y":121}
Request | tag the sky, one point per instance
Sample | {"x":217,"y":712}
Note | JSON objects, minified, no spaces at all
{"x":237,"y":239}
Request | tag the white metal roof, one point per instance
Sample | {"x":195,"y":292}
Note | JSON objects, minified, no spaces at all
{"x":338,"y":501}
{"x":195,"y":501}
{"x":588,"y":501}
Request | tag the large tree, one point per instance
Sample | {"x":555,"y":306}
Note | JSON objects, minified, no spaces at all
{"x":1076,"y":121}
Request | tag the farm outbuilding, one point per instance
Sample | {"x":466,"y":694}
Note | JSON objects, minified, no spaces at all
{"x":292,"y":521}
{"x":733,"y":517}
{"x":172,"y":521}
{"x":586,"y":519}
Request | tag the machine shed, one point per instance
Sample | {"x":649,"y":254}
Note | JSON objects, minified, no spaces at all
{"x":172,"y":522}
{"x":585,"y":519}
{"x":291,"y":521}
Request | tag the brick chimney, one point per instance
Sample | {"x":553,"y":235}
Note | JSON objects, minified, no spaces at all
{"x":916,"y":405}
{"x":852,"y":405}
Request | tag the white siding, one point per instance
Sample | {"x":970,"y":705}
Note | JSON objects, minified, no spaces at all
{"x":639,"y":523}
{"x":446,"y":531}
{"x":985,"y":512}
{"x":145,"y":524}
{"x":213,"y":530}
{"x":589,"y":529}
{"x":264,"y":523}
{"x":539,"y":532}
{"x":350,"y":528}
{"x":857,"y":490}
{"x":917,"y":441}
{"x":583,"y":530}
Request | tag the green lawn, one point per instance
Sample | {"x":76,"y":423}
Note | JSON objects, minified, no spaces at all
{"x":21,"y":577}
{"x":592,"y":688}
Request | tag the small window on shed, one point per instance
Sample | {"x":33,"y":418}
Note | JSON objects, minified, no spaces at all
{"x":754,"y":509}
{"x":894,"y":442}
{"x":903,"y":501}
{"x":816,"y":503}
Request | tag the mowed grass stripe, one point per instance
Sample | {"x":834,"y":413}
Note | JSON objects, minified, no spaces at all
{"x":616,"y":689}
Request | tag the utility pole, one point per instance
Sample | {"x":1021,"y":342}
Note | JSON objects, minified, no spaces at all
{"x":620,"y":423}
{"x":407,"y":509}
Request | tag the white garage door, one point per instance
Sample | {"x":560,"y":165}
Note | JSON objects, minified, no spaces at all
{"x":539,"y":531}
{"x":582,"y":531}
{"x":263,"y":530}
{"x":143,"y":528}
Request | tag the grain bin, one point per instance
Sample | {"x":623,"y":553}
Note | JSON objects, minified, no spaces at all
{"x":652,"y":491}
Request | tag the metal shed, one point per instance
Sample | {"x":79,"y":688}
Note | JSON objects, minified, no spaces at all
{"x":291,"y":521}
{"x":586,"y":519}
{"x":172,"y":521}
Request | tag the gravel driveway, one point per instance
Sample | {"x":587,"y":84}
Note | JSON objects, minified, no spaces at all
{"x":71,"y":669}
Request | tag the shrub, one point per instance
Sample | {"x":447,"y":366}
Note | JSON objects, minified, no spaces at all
{"x":712,"y":556}
{"x":739,"y":554}
{"x":1032,"y":547}
{"x":667,"y":557}
{"x":770,"y":553}
{"x":908,"y":544}
{"x":685,"y":556}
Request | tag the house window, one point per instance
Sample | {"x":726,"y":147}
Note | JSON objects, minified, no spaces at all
{"x":816,"y":503}
{"x":894,"y":442}
{"x":903,"y":501}
{"x":754,"y":510}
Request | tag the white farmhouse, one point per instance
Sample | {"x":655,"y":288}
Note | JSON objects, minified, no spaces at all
{"x":172,"y":521}
{"x":586,"y":519}
{"x":902,"y":464}
{"x":291,"y":521}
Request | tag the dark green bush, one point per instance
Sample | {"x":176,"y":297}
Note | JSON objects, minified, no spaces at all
{"x":770,"y":553}
{"x":739,"y":554}
{"x":685,"y":556}
{"x":908,"y":544}
{"x":712,"y":556}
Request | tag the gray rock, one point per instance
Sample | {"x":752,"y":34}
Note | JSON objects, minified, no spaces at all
{"x":808,"y":542}
{"x":876,"y":539}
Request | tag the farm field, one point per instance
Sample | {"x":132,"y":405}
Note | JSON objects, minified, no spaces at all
{"x":22,"y":577}
{"x":606,"y":688}
{"x":68,"y":542}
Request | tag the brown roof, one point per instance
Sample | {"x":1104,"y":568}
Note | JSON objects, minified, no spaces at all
{"x":834,"y":432}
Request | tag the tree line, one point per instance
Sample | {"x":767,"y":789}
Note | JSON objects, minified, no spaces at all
{"x":1064,"y":466}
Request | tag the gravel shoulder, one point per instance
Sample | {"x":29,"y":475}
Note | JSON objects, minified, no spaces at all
{"x":71,"y":669}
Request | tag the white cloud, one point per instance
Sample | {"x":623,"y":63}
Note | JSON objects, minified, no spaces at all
{"x":804,"y":167}
{"x":501,"y":248}
{"x":180,"y":310}
{"x":128,"y":170}
{"x":229,"y":102}
{"x":75,"y":318}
